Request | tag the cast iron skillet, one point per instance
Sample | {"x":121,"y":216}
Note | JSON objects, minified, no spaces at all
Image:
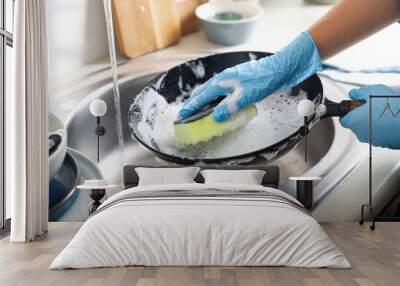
{"x":169,"y":85}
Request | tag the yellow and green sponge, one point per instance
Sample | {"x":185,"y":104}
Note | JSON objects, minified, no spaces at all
{"x":202,"y":127}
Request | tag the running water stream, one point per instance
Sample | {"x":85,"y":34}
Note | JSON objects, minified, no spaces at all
{"x":113,"y":62}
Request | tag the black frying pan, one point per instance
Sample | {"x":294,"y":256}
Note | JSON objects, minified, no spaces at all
{"x":256,"y":142}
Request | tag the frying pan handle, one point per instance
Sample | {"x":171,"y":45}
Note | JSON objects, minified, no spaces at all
{"x":342,"y":108}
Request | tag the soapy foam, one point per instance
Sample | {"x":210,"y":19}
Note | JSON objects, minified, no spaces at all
{"x":253,"y":57}
{"x":277,"y":119}
{"x":232,"y":100}
{"x":158,"y":83}
{"x":156,"y":124}
{"x":197,"y":68}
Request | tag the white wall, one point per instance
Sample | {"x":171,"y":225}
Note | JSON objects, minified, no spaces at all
{"x":77,"y":35}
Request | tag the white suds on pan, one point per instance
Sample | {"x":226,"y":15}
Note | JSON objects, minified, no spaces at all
{"x":231,"y":100}
{"x":197,"y":68}
{"x":156,"y":124}
{"x":277,"y":119}
{"x":253,"y":57}
{"x":158,"y":83}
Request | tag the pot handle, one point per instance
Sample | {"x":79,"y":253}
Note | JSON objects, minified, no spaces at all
{"x":342,"y":108}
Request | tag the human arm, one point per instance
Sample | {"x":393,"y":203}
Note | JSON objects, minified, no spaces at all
{"x":350,"y":21}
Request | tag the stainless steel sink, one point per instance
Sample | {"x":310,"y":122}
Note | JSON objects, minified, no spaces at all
{"x":81,"y":134}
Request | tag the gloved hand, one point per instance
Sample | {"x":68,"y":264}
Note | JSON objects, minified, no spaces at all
{"x":253,"y":81}
{"x":385,"y":122}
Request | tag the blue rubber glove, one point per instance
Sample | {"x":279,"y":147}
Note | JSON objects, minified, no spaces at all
{"x":385,"y":125}
{"x":253,"y":81}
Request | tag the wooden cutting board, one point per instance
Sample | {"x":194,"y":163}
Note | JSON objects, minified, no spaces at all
{"x":143,"y":26}
{"x":186,"y":11}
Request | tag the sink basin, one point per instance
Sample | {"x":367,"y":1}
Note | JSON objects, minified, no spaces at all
{"x":81,"y":135}
{"x":334,"y":154}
